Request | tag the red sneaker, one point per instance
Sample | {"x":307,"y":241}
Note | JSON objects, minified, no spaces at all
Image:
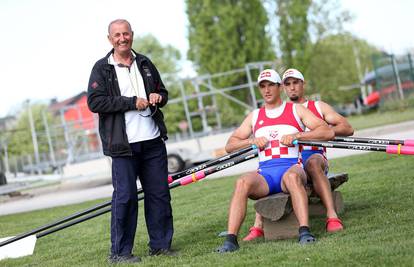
{"x":334,"y":225}
{"x":254,"y":232}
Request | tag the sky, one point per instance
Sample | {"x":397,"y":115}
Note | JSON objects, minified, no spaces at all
{"x":49,"y":46}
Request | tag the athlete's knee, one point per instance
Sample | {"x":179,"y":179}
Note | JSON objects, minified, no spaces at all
{"x":293,"y":180}
{"x":314,"y":165}
{"x":243,"y":185}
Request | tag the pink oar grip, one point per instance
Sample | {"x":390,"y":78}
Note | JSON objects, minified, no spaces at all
{"x":192,"y":178}
{"x":409,"y":142}
{"x":404,"y":150}
{"x":170,"y":179}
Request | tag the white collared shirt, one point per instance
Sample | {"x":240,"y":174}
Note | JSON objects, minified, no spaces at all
{"x":131,"y":84}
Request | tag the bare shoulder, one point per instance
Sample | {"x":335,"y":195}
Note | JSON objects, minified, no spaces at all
{"x":300,"y":109}
{"x":326,"y":109}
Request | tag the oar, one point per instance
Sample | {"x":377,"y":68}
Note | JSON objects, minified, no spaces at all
{"x":407,"y":142}
{"x":390,"y":149}
{"x":74,"y":219}
{"x":140,"y":190}
{"x":210,"y":163}
{"x":191,"y":178}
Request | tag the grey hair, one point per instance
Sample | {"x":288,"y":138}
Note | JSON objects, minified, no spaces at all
{"x":119,"y":21}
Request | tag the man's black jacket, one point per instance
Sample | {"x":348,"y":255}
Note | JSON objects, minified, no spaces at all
{"x":104,"y":97}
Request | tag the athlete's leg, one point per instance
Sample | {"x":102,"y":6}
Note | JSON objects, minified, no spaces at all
{"x":293,"y":182}
{"x":258,"y":221}
{"x":251,"y":185}
{"x":315,"y":167}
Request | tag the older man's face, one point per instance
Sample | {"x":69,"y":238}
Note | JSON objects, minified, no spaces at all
{"x":121,"y":37}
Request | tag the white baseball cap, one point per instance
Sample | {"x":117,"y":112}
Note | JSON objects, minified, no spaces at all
{"x":292,"y":73}
{"x":269,"y":75}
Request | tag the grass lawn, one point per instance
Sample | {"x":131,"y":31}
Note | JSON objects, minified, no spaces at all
{"x":380,"y":118}
{"x":378,"y":218}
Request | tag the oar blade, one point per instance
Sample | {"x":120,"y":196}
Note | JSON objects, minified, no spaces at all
{"x":19,"y":248}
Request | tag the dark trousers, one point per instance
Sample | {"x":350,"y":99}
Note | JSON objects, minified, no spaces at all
{"x":149,"y":162}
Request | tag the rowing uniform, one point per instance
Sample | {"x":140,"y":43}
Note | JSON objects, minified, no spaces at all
{"x":307,"y":151}
{"x":275,"y":159}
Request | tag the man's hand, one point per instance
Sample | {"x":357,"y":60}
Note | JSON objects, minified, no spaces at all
{"x":141,"y":104}
{"x":288,"y":139}
{"x":155,"y":98}
{"x":260,"y":142}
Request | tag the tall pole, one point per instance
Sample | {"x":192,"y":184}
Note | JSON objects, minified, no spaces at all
{"x":69,"y":158}
{"x":410,"y":62}
{"x":397,"y":76}
{"x":49,"y":139}
{"x":34,"y":137}
{"x":251,"y":86}
{"x":6,"y":156}
{"x":187,"y":112}
{"x":215,"y":104}
{"x":202,"y":110}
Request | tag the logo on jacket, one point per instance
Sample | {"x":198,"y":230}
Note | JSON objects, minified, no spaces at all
{"x":94,"y":85}
{"x":147,"y":71}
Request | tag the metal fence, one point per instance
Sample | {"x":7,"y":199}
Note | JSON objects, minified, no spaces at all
{"x":77,"y":139}
{"x":392,"y":78}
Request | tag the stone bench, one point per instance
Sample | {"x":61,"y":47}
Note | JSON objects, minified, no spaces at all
{"x":279,"y":220}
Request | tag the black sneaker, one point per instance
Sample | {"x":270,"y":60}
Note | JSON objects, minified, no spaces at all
{"x":162,"y":251}
{"x":306,"y":238}
{"x":227,"y":247}
{"x":123,"y":259}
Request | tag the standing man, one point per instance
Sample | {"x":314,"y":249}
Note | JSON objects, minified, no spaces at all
{"x":272,"y":129}
{"x":126,"y":90}
{"x":313,"y":158}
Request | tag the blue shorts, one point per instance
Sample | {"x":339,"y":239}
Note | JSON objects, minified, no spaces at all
{"x":306,"y":154}
{"x":273,"y":170}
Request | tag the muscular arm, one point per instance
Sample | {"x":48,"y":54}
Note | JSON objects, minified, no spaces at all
{"x":319,"y":129}
{"x":241,"y":137}
{"x":338,"y":123}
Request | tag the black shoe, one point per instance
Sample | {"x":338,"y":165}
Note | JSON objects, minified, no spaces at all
{"x":227,"y":247}
{"x":123,"y":259}
{"x":306,"y":238}
{"x":162,"y":251}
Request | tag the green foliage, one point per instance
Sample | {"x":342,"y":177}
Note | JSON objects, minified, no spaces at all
{"x":326,"y":17}
{"x":223,"y":36}
{"x":294,"y":41}
{"x":333,"y":64}
{"x":311,"y":39}
{"x":166,"y":58}
{"x":20,"y":140}
{"x":378,"y":225}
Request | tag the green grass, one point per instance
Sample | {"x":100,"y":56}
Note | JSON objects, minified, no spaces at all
{"x":380,"y":118}
{"x":378,"y":218}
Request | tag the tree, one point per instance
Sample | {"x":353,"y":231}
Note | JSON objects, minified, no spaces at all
{"x":166,"y":58}
{"x":334,"y":63}
{"x":294,"y":41}
{"x":20,"y":139}
{"x":302,"y":23}
{"x":225,"y":35}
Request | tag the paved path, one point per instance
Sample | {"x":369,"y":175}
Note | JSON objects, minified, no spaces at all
{"x":59,"y":198}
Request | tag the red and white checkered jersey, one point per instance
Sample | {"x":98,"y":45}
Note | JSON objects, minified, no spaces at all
{"x":273,"y":124}
{"x":315,"y":108}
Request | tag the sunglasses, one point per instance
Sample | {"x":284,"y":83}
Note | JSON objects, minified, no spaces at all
{"x":150,"y":115}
